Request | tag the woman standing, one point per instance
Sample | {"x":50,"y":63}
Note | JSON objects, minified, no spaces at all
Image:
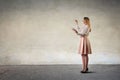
{"x":84,"y":47}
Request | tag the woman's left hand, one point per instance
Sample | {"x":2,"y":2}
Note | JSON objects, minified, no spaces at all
{"x":83,"y":35}
{"x":74,"y":30}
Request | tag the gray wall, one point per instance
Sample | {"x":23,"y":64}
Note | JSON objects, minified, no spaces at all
{"x":39,"y":31}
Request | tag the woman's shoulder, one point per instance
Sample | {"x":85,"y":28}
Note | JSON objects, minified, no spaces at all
{"x":85,"y":26}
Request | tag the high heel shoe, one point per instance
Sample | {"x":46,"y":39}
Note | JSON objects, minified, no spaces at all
{"x":84,"y":71}
{"x":87,"y":69}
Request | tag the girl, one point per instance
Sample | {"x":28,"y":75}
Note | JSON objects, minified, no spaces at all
{"x":84,"y":47}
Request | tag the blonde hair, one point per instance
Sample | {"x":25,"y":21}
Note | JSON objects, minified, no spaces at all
{"x":88,"y":22}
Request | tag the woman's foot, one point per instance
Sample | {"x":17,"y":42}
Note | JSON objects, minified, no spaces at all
{"x":84,"y":71}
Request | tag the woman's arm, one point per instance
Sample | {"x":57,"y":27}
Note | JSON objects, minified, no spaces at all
{"x":81,"y":34}
{"x":75,"y":29}
{"x":84,"y":32}
{"x":87,"y":31}
{"x":78,"y":32}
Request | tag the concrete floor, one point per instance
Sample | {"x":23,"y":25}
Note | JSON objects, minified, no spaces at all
{"x":59,"y":72}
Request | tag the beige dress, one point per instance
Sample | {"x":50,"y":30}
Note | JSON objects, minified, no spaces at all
{"x":85,"y":46}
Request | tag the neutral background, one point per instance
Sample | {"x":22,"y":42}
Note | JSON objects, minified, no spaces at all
{"x":39,"y":31}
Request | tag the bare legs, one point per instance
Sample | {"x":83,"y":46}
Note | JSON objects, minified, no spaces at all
{"x":83,"y":63}
{"x":85,"y":60}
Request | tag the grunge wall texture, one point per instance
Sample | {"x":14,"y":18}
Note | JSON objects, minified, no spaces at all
{"x":39,"y":31}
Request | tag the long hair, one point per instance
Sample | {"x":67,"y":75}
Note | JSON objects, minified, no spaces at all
{"x":88,"y":22}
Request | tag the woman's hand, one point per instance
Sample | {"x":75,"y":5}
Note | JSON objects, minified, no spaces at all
{"x":75,"y":30}
{"x":83,"y":35}
{"x":76,"y":21}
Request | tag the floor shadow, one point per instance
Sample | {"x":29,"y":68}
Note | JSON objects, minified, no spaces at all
{"x":89,"y":72}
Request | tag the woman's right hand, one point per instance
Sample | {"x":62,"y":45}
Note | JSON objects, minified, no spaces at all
{"x":76,"y":21}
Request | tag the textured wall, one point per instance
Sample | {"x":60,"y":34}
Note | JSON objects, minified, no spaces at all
{"x":39,"y":31}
